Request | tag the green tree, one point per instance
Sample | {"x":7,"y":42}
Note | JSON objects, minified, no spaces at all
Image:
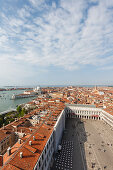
{"x":1,"y":121}
{"x":22,"y":113}
{"x":19,"y":109}
{"x":6,"y":121}
{"x":25,"y":111}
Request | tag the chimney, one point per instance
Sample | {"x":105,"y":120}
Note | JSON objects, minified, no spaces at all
{"x":21,"y":154}
{"x":9,"y":151}
{"x":1,"y":160}
{"x":19,"y":141}
{"x":33,"y":137}
{"x":30,"y":143}
{"x":30,"y":129}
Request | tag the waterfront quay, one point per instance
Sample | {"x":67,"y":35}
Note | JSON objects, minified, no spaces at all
{"x":7,"y":111}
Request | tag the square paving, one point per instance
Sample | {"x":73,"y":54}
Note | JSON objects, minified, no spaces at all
{"x":86,"y":144}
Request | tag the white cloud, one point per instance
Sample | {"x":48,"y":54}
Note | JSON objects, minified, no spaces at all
{"x":24,"y":12}
{"x":38,"y":4}
{"x":106,"y":68}
{"x":70,"y":36}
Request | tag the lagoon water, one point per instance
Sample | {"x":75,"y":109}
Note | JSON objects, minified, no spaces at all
{"x":7,"y":104}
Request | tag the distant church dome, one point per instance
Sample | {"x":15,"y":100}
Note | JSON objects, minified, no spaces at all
{"x":37,"y":89}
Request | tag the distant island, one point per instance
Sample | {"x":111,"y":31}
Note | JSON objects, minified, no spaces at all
{"x":13,"y":88}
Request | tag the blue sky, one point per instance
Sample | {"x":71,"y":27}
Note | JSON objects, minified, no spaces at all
{"x":56,"y":42}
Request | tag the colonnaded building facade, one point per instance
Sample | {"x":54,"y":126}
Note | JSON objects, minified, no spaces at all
{"x":88,"y":112}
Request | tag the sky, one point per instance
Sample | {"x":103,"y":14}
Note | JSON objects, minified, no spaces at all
{"x":56,"y":42}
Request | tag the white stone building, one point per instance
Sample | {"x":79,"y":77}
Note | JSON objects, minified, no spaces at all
{"x":88,"y":112}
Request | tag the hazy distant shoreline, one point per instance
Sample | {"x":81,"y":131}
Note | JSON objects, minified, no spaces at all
{"x":31,"y":86}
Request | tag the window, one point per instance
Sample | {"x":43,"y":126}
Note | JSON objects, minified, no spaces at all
{"x":42,"y":156}
{"x":49,"y":141}
{"x":45,"y":150}
{"x":47,"y":146}
{"x":39,"y":164}
{"x":45,"y":163}
{"x":42,"y":167}
{"x":47,"y":157}
{"x":2,"y":147}
{"x":8,"y":143}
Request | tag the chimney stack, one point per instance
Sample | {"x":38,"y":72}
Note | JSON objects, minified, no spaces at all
{"x":19,"y":141}
{"x":9,"y":151}
{"x":30,"y":129}
{"x":33,"y":137}
{"x":21,"y":154}
{"x":30,"y":143}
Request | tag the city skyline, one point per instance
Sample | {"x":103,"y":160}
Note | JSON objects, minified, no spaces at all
{"x":56,"y":42}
